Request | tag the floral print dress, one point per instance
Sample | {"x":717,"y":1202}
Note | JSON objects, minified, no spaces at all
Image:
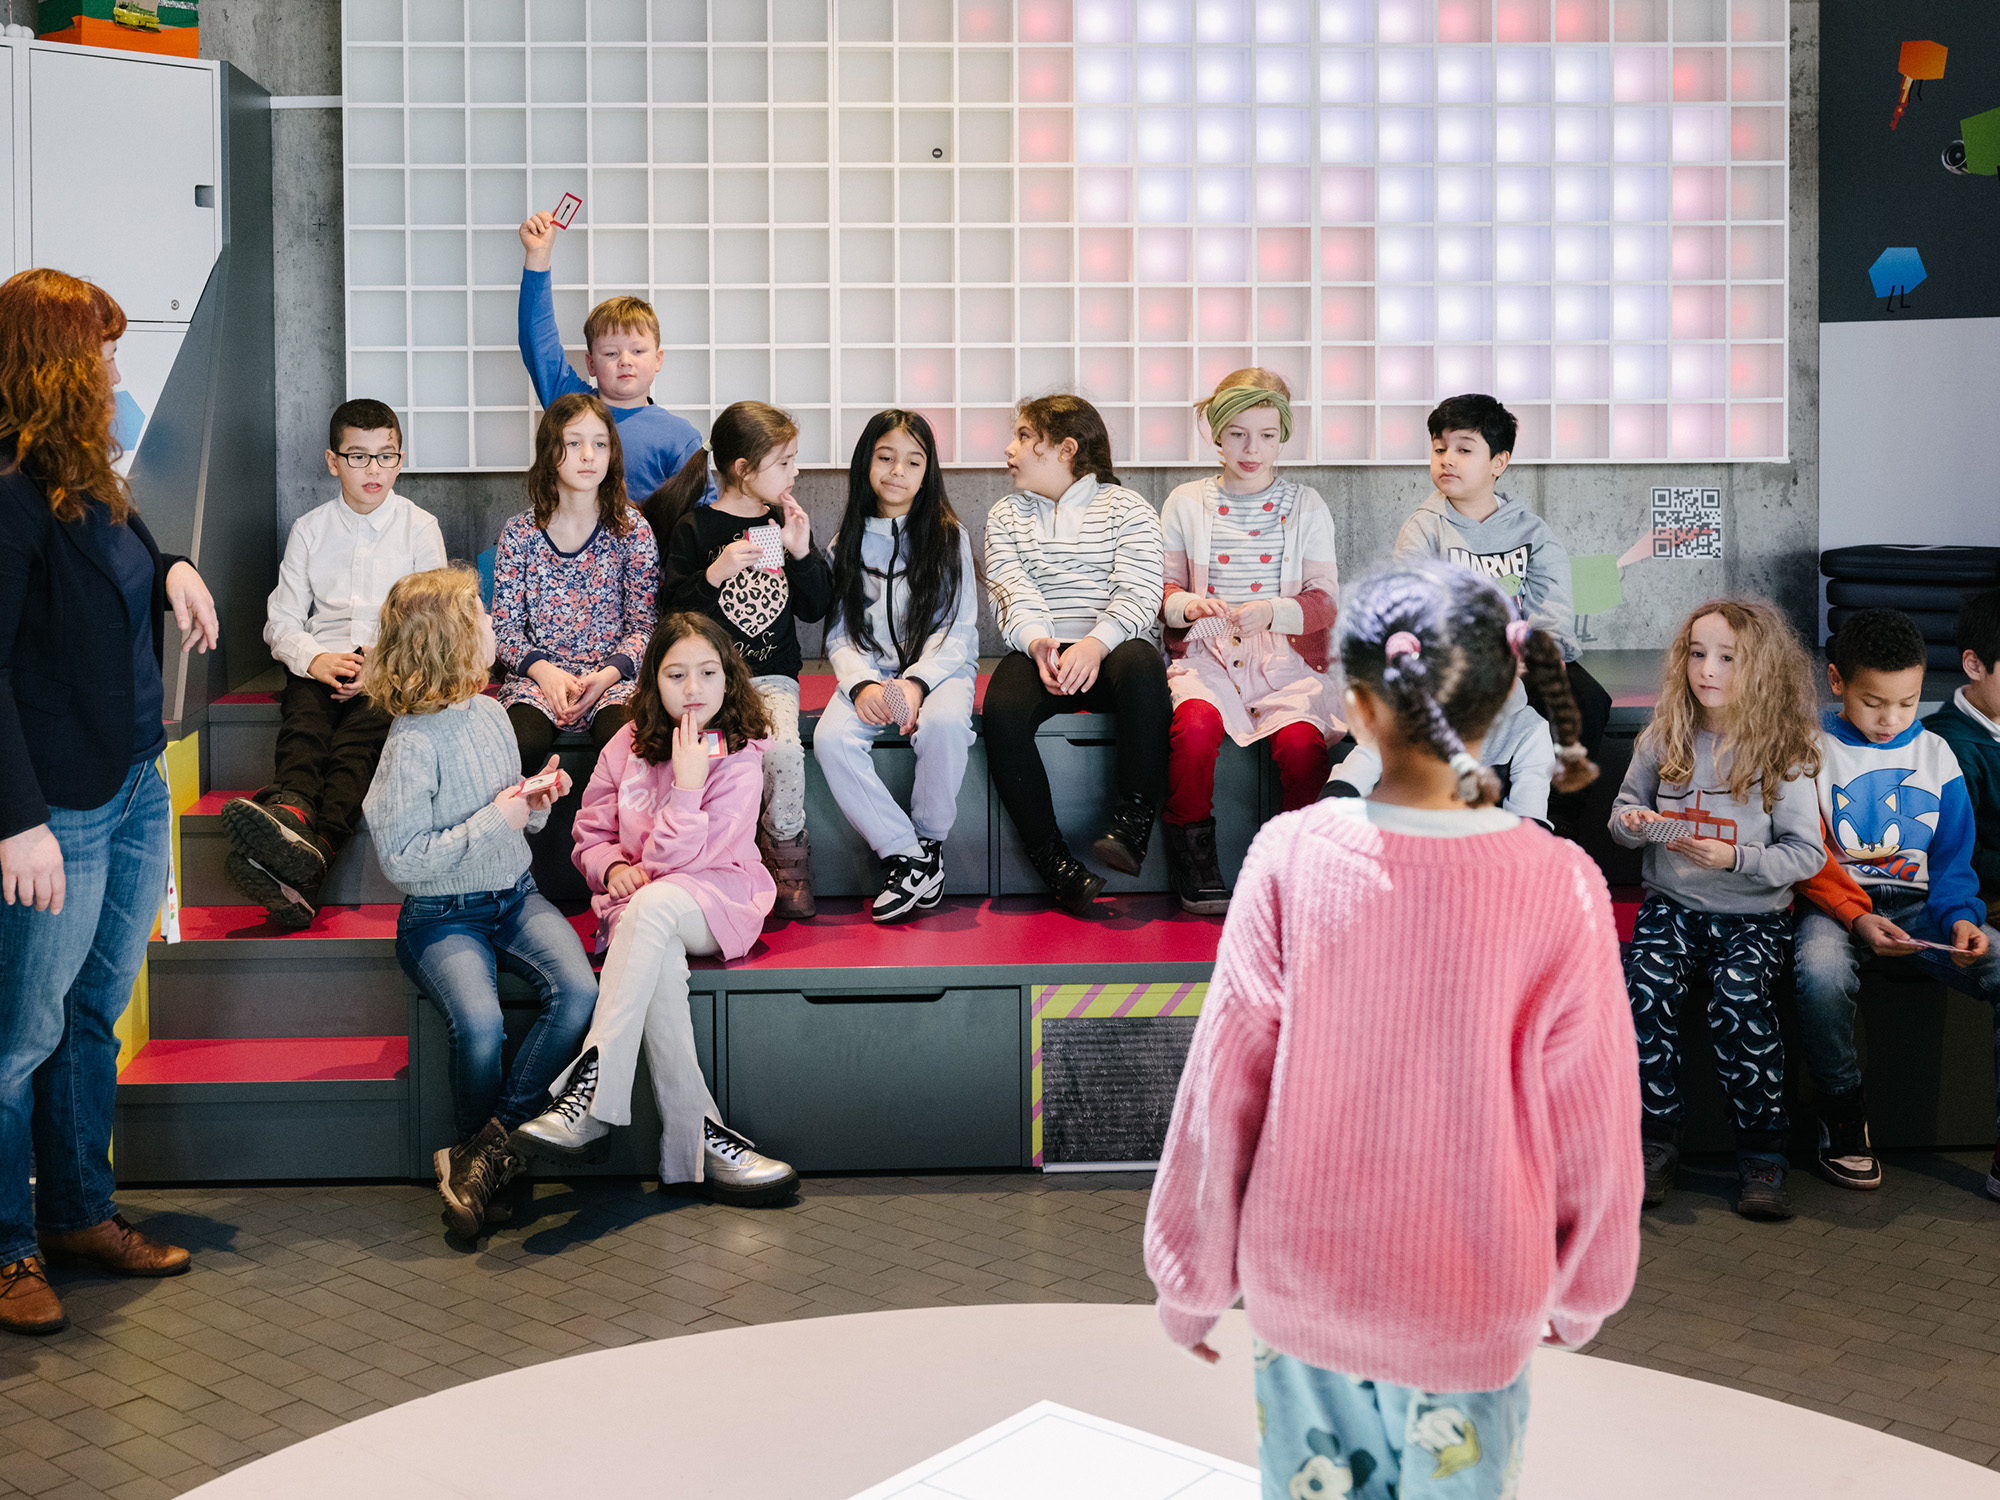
{"x":581,"y":610}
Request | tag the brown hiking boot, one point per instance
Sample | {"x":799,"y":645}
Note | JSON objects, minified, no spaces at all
{"x":114,"y":1246}
{"x":28,"y":1304}
{"x":470,"y":1173}
{"x":790,"y":864}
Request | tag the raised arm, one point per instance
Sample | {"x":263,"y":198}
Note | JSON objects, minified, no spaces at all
{"x":541,"y":341}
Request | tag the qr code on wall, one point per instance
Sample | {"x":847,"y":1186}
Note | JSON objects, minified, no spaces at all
{"x":1687,"y":522}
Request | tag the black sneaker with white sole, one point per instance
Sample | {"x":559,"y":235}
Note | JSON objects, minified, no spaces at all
{"x":1846,"y":1157}
{"x":286,"y":907}
{"x":278,"y":838}
{"x":910,"y":886}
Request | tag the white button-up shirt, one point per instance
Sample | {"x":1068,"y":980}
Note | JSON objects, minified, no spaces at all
{"x":338,"y":569}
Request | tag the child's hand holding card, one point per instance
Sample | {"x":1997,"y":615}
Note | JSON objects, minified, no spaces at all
{"x":770,"y":546}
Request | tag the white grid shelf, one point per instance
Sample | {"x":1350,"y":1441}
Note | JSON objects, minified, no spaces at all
{"x":839,"y":205}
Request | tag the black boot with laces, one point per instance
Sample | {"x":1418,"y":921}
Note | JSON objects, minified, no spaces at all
{"x":1123,"y":845}
{"x":1073,"y":886}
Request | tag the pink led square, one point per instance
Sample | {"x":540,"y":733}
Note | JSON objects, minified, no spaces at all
{"x":985,"y":21}
{"x":1697,"y":254}
{"x":1105,"y":315}
{"x":1638,"y":432}
{"x":1757,"y":431}
{"x":1406,"y":433}
{"x":1463,"y":21}
{"x":1044,"y":195}
{"x":1522,"y":21}
{"x":1044,"y":75}
{"x":1225,"y":313}
{"x":1696,"y":431}
{"x":1165,"y":433}
{"x":1346,"y":373}
{"x":1698,"y":73}
{"x":1105,"y":254}
{"x":1163,"y":374}
{"x":1346,"y":314}
{"x":1347,"y":194}
{"x":1583,"y":21}
{"x":1163,"y":315}
{"x":1104,"y":195}
{"x":1105,"y":374}
{"x":927,"y":375}
{"x":1280,"y":194}
{"x":985,"y":434}
{"x":1163,"y":255}
{"x":1213,"y":364}
{"x":1697,"y":312}
{"x":1045,"y":135}
{"x":1283,"y":315}
{"x":1285,"y":255}
{"x":944,"y":427}
{"x":1344,"y":433}
{"x":1698,"y":193}
{"x":1757,"y":370}
{"x":1046,"y":21}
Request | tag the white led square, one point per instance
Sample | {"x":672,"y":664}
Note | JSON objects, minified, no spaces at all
{"x":1403,"y":374}
{"x":1222,"y":76}
{"x":1520,"y":135}
{"x":1281,"y":195}
{"x":1283,"y":77}
{"x":1222,"y":195}
{"x":1521,"y":194}
{"x":1403,"y":255}
{"x":1581,"y":194}
{"x":1465,"y":135}
{"x":1403,"y":194}
{"x":1222,"y":135}
{"x":1581,"y":253}
{"x":1464,"y":254}
{"x":1103,"y":20}
{"x":1403,"y":20}
{"x":1162,"y":135}
{"x":1464,"y":312}
{"x":1582,"y":134}
{"x":1463,"y":368}
{"x":1521,"y":253}
{"x":1582,"y":75}
{"x":1160,"y":195}
{"x":1464,"y":75}
{"x":1347,"y":134}
{"x":1403,"y":135}
{"x":1347,"y":21}
{"x":1639,"y":134}
{"x":1103,"y":77}
{"x":1700,"y":132}
{"x":1161,"y":20}
{"x":1640,"y":253}
{"x":1639,"y":194}
{"x":1521,"y":75}
{"x":1346,"y":76}
{"x":1521,"y":371}
{"x":1638,"y":312}
{"x":1464,"y":195}
{"x":1521,"y":313}
{"x":1402,"y":314}
{"x":1103,"y":195}
{"x":1402,"y":76}
{"x":1103,"y":135}
{"x":1283,"y":21}
{"x":1578,"y":312}
{"x":1222,"y":255}
{"x":1579,"y":372}
{"x":1164,"y":77}
{"x":1281,"y":135}
{"x":1639,"y":372}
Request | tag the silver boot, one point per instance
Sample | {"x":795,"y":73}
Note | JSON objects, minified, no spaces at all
{"x":737,"y":1173}
{"x":567,"y":1130}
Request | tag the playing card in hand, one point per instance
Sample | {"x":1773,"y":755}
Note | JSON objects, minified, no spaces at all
{"x":1665,"y":831}
{"x":566,"y":210}
{"x":1208,"y":627}
{"x":771,"y":544}
{"x":899,"y":706}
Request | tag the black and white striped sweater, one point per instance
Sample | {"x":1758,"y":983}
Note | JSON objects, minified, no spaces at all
{"x":1089,"y":563}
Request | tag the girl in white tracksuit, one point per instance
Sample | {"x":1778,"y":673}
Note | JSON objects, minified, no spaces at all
{"x":903,"y":640}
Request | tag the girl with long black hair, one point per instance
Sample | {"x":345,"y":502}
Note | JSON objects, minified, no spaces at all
{"x":903,"y":639}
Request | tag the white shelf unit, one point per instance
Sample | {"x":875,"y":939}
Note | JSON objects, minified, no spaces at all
{"x":837,"y":205}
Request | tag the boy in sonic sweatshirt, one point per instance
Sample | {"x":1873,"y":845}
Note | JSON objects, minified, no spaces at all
{"x":1465,"y":522}
{"x":1899,"y":823}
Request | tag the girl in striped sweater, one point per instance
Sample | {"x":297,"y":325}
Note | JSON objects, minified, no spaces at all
{"x":1073,"y":561}
{"x":1407,"y":1133}
{"x":1251,"y":592}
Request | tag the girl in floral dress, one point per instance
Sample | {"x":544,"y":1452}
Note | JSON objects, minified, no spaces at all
{"x":574,"y":581}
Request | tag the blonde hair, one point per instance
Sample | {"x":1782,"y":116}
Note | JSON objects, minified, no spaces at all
{"x":620,"y":315}
{"x":428,"y":654}
{"x":1773,"y":729}
{"x":1251,"y":375}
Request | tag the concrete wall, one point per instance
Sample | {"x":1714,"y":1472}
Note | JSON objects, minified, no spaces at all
{"x":1770,"y":511}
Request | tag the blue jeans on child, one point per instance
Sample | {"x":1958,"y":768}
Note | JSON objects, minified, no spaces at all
{"x":65,"y":979}
{"x":1829,"y":959}
{"x":1328,"y":1434}
{"x":452,"y":947}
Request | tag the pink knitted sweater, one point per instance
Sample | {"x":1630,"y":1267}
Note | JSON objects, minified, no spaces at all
{"x":705,"y":840}
{"x":1408,"y":1130}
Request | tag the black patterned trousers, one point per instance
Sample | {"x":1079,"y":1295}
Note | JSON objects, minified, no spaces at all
{"x":1743,"y":956}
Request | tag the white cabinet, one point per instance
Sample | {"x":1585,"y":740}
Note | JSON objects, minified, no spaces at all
{"x":124,"y":175}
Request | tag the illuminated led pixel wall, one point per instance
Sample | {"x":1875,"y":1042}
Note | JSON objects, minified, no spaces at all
{"x":838,"y":205}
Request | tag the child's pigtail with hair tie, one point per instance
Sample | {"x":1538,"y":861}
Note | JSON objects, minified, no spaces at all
{"x":1408,"y":681}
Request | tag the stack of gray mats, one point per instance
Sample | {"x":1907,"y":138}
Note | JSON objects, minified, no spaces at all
{"x":1926,"y":583}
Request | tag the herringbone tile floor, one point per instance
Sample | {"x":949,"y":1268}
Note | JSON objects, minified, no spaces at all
{"x":311,"y":1306}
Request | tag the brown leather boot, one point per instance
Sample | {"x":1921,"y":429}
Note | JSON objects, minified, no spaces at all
{"x":114,"y":1246}
{"x":28,"y":1304}
{"x":790,"y":864}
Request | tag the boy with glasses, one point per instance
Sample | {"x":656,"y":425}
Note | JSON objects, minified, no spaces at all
{"x":340,"y":561}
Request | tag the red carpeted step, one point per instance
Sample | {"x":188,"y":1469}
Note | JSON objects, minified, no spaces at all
{"x":1625,"y":901}
{"x":307,"y":1059}
{"x":208,"y":923}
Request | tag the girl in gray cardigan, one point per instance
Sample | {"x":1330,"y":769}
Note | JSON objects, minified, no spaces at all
{"x":449,"y":813}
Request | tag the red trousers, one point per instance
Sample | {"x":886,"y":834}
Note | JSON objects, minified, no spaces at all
{"x":1194,"y":741}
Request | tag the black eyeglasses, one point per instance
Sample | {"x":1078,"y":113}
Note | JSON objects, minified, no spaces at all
{"x":363,"y":460}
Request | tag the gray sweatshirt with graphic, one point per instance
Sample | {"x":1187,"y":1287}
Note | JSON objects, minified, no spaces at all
{"x":1774,"y":850}
{"x":1514,"y":543}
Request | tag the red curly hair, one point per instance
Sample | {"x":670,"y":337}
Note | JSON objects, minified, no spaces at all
{"x":55,"y":389}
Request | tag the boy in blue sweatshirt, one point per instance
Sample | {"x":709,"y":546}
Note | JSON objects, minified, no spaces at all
{"x":623,"y":355}
{"x":1466,"y":522}
{"x":1899,"y":823}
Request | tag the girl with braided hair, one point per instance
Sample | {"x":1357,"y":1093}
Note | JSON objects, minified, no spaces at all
{"x":1407,"y":1134}
{"x":1251,"y":595}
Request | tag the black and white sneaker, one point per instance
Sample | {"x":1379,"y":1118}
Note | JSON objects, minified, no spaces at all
{"x":286,"y":907}
{"x":1846,"y":1157}
{"x":911,"y":886}
{"x":277,"y":837}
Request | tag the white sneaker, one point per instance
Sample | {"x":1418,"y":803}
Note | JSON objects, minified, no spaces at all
{"x":737,"y":1173}
{"x":567,"y":1129}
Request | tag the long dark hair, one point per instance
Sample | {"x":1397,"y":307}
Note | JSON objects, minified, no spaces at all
{"x":614,"y":513}
{"x":748,"y":430}
{"x":931,"y":570}
{"x":741,"y":716}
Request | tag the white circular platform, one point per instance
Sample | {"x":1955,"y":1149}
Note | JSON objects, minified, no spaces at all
{"x":823,"y":1408}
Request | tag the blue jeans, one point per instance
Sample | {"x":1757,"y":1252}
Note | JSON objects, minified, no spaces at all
{"x":1325,"y":1433}
{"x":453,"y":947}
{"x":1829,"y":959}
{"x":65,"y":979}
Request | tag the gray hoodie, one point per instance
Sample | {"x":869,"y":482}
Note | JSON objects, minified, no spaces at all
{"x":1519,"y":740}
{"x":1774,"y":851}
{"x":1513,"y":542}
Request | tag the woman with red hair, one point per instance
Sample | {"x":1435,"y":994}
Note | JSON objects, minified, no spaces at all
{"x":84,"y":815}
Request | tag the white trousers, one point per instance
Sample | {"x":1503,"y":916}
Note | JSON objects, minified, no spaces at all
{"x":642,"y":999}
{"x":942,"y":741}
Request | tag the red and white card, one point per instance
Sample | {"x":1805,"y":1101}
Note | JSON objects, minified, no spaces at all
{"x":565,"y":212}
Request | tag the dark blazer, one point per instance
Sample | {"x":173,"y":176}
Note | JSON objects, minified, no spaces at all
{"x":66,"y":699}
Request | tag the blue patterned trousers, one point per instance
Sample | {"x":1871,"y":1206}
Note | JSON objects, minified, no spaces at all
{"x":1743,"y":956}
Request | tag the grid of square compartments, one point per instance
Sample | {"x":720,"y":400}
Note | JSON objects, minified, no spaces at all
{"x":947,"y":204}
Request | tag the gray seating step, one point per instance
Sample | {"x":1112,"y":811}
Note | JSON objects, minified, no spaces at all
{"x":235,"y":975}
{"x":356,"y":878}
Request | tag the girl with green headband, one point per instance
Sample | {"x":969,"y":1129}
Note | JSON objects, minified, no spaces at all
{"x":1251,"y":593}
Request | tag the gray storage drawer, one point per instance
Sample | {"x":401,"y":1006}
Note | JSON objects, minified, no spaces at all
{"x":842,"y":862}
{"x":860,"y":1082}
{"x":1081,"y":753}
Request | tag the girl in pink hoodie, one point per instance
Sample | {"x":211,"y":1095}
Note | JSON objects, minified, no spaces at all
{"x":1407,"y":1134}
{"x":667,"y":838}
